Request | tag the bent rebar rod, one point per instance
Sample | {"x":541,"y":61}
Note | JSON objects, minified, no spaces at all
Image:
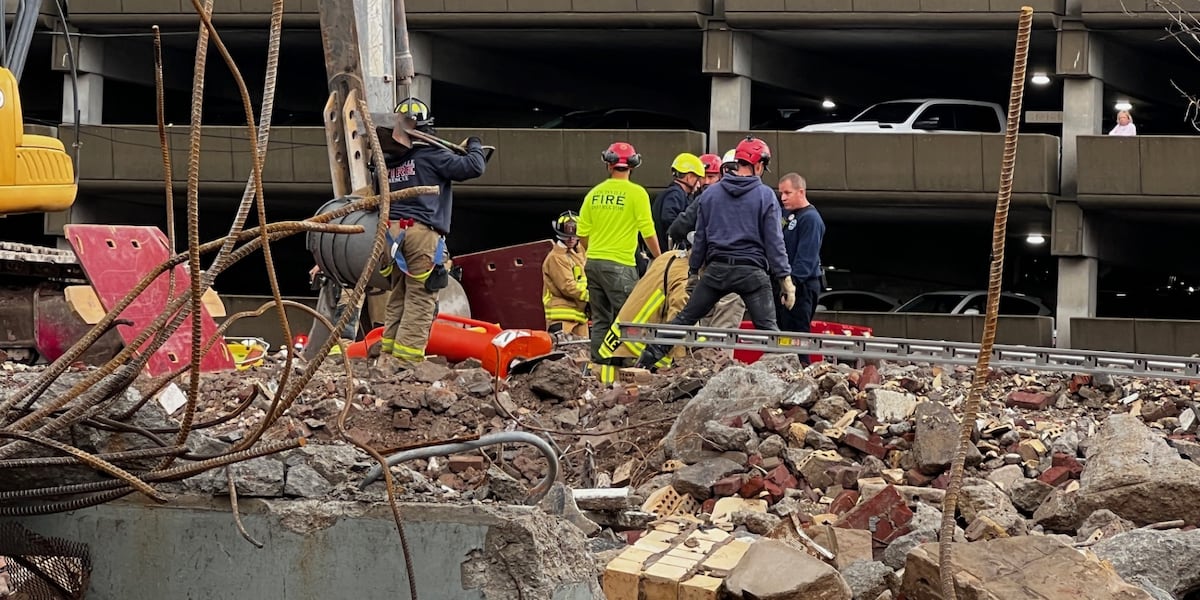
{"x":538,"y":491}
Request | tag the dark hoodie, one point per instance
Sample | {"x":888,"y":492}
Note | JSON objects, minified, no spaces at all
{"x":739,"y":219}
{"x":427,"y":165}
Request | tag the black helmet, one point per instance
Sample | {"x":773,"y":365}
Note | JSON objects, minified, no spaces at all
{"x":417,"y":110}
{"x":566,"y":225}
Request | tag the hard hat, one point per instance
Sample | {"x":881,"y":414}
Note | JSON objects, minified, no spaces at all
{"x":566,"y":225}
{"x":712,"y":163}
{"x":730,"y":158}
{"x":622,"y":155}
{"x":754,"y":151}
{"x":416,"y":110}
{"x":687,"y":163}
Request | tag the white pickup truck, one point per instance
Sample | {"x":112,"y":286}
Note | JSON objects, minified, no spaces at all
{"x":923,"y":115}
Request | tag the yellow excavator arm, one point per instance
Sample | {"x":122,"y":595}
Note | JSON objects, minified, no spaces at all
{"x":36,"y":173}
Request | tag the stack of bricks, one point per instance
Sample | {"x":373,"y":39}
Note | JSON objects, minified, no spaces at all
{"x":678,"y":560}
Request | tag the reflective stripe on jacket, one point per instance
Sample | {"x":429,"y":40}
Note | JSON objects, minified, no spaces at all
{"x":564,"y":286}
{"x":658,"y":296}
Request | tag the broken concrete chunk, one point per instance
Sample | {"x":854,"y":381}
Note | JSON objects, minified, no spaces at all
{"x":974,"y":499}
{"x":772,"y":570}
{"x":723,"y":437}
{"x":697,"y":480}
{"x":936,"y":441}
{"x":555,"y":379}
{"x":439,"y":400}
{"x":305,"y":482}
{"x":1028,"y":494}
{"x":475,"y":381}
{"x":505,"y":487}
{"x":891,"y":406}
{"x":772,"y":446}
{"x":559,"y":501}
{"x":830,"y":408}
{"x":429,"y":371}
{"x":757,"y":522}
{"x":1016,"y":568}
{"x":262,"y":477}
{"x":1134,"y":473}
{"x":1167,"y":559}
{"x":734,"y":390}
{"x":868,"y":579}
{"x":1007,"y":476}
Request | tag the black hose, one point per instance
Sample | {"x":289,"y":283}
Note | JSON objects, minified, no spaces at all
{"x":62,"y":17}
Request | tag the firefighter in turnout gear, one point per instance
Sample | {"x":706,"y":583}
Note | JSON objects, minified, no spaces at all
{"x":564,"y":285}
{"x":416,"y":252}
{"x":658,"y":296}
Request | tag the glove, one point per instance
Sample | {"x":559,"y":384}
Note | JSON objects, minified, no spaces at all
{"x":472,"y":142}
{"x":788,"y":297}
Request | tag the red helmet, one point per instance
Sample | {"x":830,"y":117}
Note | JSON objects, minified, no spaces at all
{"x":712,"y":164}
{"x":622,"y":154}
{"x":753,"y":151}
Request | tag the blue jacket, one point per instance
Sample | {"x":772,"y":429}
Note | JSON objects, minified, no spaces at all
{"x":667,"y":205}
{"x":803,"y":231}
{"x":426,"y":165}
{"x":739,"y":219}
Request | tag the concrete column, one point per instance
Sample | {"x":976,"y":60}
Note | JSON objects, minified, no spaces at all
{"x":1083,"y":112}
{"x":729,"y":109}
{"x":376,"y":41}
{"x":1076,"y":294}
{"x":421,"y":46}
{"x":91,"y":99}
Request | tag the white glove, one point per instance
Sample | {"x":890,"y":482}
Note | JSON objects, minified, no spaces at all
{"x":788,"y":298}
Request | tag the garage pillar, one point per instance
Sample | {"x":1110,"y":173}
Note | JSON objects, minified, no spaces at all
{"x":421,"y":46}
{"x":1076,"y":242}
{"x":728,"y":57}
{"x":1081,"y":65}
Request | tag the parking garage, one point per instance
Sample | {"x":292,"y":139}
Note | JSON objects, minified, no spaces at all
{"x":906,"y":213}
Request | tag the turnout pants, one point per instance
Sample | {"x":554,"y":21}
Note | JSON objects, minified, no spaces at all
{"x":574,"y":328}
{"x":750,"y":283}
{"x":609,"y":286}
{"x":410,"y":306}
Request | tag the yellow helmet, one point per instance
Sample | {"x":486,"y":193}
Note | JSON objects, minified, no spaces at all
{"x":416,"y":110}
{"x":687,"y":163}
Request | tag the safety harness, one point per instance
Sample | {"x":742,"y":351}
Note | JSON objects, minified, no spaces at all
{"x":398,"y":261}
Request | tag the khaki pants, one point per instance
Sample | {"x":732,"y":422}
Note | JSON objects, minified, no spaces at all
{"x":727,"y":314}
{"x":570,"y":328}
{"x":410,"y":307}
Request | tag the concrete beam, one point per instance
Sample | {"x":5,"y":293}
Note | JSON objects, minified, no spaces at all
{"x":1088,"y":54}
{"x":479,"y":68}
{"x":728,"y":52}
{"x":122,"y":60}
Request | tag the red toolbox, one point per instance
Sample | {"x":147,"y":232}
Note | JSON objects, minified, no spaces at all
{"x":823,"y":327}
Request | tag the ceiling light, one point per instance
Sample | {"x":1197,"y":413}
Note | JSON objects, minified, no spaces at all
{"x":828,"y":104}
{"x":1123,"y":105}
{"x":1121,"y":294}
{"x":1035,"y":239}
{"x":1040,"y":78}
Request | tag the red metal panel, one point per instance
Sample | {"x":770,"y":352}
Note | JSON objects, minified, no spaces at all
{"x":505,"y":285}
{"x":115,"y":258}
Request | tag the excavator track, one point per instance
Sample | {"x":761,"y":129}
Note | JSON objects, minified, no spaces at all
{"x":40,"y":262}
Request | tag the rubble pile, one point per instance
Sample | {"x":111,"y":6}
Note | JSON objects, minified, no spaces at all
{"x":838,"y":471}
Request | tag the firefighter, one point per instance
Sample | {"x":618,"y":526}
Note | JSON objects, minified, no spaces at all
{"x":658,"y":296}
{"x":685,"y":223}
{"x":417,"y":229}
{"x":739,"y":246}
{"x":613,"y":214}
{"x":712,"y":172}
{"x":687,"y":173}
{"x":564,"y":285}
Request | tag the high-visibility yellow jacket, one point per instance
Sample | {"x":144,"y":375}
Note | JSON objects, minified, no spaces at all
{"x":658,"y":296}
{"x":564,"y":286}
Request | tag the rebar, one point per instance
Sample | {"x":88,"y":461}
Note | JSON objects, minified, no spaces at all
{"x":995,"y":279}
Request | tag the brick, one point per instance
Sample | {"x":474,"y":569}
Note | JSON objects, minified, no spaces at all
{"x":844,"y":502}
{"x":635,"y":375}
{"x":1055,"y":475}
{"x":917,"y":478}
{"x":869,"y":422}
{"x":797,"y":414}
{"x":729,"y":485}
{"x":868,"y":444}
{"x":774,"y":490}
{"x":458,"y":464}
{"x":1069,"y":462}
{"x":1031,"y":449}
{"x":700,"y":587}
{"x":754,"y":460}
{"x":620,"y":580}
{"x":783,"y":478}
{"x":1079,"y":381}
{"x":885,"y":515}
{"x":870,"y":376}
{"x":774,"y":419}
{"x":942,"y":482}
{"x":708,"y":506}
{"x":1030,"y":400}
{"x":753,"y":487}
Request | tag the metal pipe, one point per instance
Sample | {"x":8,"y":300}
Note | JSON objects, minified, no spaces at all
{"x":538,"y":492}
{"x":405,"y":71}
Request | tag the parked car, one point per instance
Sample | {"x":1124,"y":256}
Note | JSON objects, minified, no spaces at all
{"x":974,"y":302}
{"x":617,"y":118}
{"x":926,"y":115}
{"x":856,"y":301}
